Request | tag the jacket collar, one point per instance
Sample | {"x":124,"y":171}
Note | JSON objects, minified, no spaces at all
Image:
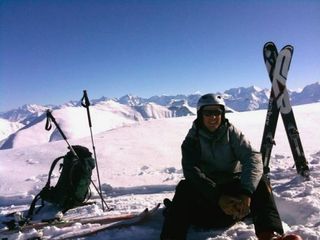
{"x":196,"y":131}
{"x":216,"y":135}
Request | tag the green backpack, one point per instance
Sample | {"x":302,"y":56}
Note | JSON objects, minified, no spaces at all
{"x":72,"y":188}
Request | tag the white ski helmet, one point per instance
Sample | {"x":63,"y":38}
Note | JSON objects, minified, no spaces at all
{"x":210,"y":99}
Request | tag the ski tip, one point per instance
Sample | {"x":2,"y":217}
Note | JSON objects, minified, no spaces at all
{"x":155,"y":208}
{"x":270,"y":46}
{"x":152,"y":210}
{"x":288,"y":48}
{"x":158,"y":206}
{"x":270,"y":43}
{"x":270,"y":52}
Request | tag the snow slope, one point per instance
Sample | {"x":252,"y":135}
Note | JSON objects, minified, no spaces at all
{"x":140,"y":165}
{"x":74,"y":123}
{"x":7,"y":127}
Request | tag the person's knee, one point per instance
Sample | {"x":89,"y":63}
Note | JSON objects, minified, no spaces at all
{"x":183,"y":196}
{"x":184,"y":187}
{"x":265,"y":185}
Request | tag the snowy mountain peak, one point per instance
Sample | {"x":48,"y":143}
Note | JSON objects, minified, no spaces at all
{"x":309,"y":94}
{"x":102,"y":99}
{"x":70,"y":104}
{"x":25,"y":113}
{"x":312,"y":86}
{"x":178,"y":102}
{"x":256,"y":88}
{"x":241,"y":91}
{"x":130,"y":100}
{"x":32,"y":108}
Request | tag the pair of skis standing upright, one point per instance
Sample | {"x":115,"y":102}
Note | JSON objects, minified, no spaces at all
{"x":278,"y":65}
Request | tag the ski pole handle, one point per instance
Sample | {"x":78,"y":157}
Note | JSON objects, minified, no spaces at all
{"x":86,"y":103}
{"x":48,"y":126}
{"x":48,"y":122}
{"x":85,"y":100}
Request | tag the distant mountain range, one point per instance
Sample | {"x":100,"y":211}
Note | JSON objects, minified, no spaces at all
{"x":133,"y":108}
{"x":240,"y":99}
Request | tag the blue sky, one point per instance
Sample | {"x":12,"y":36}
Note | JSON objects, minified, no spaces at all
{"x":52,"y":50}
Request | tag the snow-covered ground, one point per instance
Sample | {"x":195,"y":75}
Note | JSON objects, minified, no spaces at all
{"x":8,"y":127}
{"x":139,"y":164}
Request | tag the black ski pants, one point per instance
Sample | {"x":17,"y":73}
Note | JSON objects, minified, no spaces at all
{"x":188,"y":207}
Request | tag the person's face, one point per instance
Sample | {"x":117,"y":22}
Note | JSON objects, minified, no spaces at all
{"x":212,"y":117}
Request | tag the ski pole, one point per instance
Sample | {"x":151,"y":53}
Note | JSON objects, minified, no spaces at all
{"x":94,"y":185}
{"x":86,"y":103}
{"x":48,"y":126}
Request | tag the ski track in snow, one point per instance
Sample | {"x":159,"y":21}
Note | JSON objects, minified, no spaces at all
{"x":140,"y":166}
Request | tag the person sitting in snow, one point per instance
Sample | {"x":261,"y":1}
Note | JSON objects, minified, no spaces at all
{"x":224,"y":180}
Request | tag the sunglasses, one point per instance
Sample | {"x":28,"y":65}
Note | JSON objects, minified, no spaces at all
{"x":209,"y":113}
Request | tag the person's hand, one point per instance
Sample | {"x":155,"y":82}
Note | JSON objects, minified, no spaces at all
{"x":237,"y":207}
{"x":229,"y":205}
{"x":243,"y":207}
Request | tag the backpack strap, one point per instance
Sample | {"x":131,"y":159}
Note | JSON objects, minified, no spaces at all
{"x":32,"y":207}
{"x":51,"y":169}
{"x":38,"y":196}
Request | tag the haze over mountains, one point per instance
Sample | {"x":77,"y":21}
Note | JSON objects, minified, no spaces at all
{"x":18,"y":126}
